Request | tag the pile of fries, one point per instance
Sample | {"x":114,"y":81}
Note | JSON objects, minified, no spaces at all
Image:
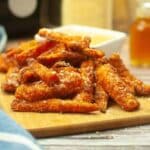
{"x":63,"y":74}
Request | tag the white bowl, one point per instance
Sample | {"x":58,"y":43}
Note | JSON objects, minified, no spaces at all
{"x":109,"y":46}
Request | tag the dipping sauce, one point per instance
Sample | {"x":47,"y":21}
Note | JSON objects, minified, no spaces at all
{"x":97,"y":39}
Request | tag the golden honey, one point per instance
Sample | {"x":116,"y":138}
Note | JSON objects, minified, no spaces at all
{"x":140,"y":35}
{"x":140,"y":42}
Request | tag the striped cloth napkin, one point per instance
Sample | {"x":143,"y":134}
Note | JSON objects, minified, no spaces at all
{"x":13,"y":137}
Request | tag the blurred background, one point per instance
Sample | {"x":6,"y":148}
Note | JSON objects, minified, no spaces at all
{"x":24,"y":17}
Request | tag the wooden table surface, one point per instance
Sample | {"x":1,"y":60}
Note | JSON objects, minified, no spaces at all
{"x":132,"y":138}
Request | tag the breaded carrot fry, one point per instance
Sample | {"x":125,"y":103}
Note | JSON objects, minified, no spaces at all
{"x":3,"y":64}
{"x":116,"y":88}
{"x":137,"y":86}
{"x":101,"y":97}
{"x":69,"y":83}
{"x":123,"y":72}
{"x":13,"y":51}
{"x":6,"y":63}
{"x":87,"y":73}
{"x":53,"y":105}
{"x":53,"y":55}
{"x":93,"y":53}
{"x":33,"y":50}
{"x":28,"y":75}
{"x":60,"y":53}
{"x":141,"y":89}
{"x":12,"y":80}
{"x":22,"y":47}
{"x":49,"y":76}
{"x":75,"y":42}
{"x":61,"y":64}
{"x":34,"y":91}
{"x":69,"y":80}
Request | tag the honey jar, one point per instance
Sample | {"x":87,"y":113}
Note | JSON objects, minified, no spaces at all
{"x":140,"y":35}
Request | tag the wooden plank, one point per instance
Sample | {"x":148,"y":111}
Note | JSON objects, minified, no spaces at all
{"x":52,"y":124}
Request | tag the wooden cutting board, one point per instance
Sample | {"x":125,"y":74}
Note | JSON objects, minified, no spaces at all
{"x":52,"y":124}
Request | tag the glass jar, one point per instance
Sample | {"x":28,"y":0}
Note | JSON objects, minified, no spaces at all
{"x":140,"y":35}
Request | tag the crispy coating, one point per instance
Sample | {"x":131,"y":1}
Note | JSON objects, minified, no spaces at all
{"x":123,"y":72}
{"x":49,"y":76}
{"x":101,"y":97}
{"x":116,"y":88}
{"x":141,"y":89}
{"x":32,"y":50}
{"x":3,"y":65}
{"x":61,"y":64}
{"x":34,"y":91}
{"x":12,"y":80}
{"x":135,"y":85}
{"x":27,"y":75}
{"x":116,"y":61}
{"x":22,"y":47}
{"x":7,"y":62}
{"x":93,"y":53}
{"x":8,"y":59}
{"x":12,"y":52}
{"x":87,"y":73}
{"x":70,"y":83}
{"x":60,"y":53}
{"x":74,"y":42}
{"x":53,"y":105}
